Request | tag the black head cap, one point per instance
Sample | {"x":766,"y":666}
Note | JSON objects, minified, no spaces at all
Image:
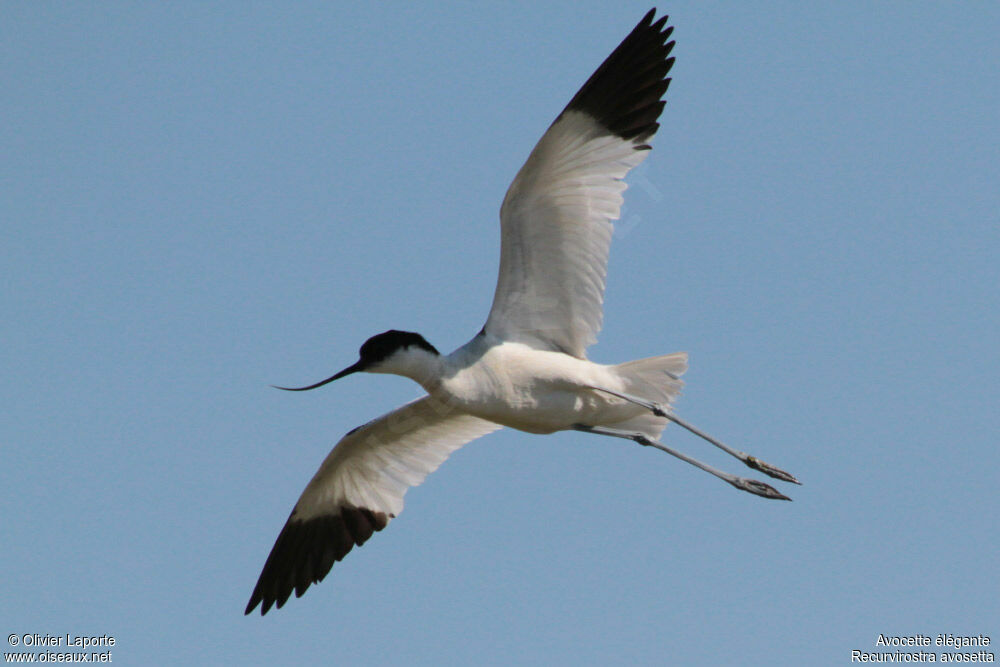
{"x":385,"y":344}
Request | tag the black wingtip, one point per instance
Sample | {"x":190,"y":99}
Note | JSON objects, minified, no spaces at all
{"x":624,"y":94}
{"x":254,"y":601}
{"x":305,"y":551}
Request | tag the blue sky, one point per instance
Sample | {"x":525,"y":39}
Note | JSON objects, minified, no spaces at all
{"x":199,"y":200}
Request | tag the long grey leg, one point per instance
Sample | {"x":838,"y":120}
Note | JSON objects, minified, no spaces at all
{"x":750,"y":461}
{"x":741,"y":483}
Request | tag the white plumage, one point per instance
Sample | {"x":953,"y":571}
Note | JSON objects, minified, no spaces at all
{"x":374,"y":465}
{"x":556,"y":232}
{"x":527,"y":369}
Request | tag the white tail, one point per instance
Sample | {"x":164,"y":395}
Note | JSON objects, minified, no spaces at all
{"x":655,"y":379}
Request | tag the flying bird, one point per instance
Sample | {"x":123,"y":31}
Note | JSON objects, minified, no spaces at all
{"x":527,"y":368}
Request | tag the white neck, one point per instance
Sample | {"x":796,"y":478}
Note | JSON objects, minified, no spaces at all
{"x":420,"y":365}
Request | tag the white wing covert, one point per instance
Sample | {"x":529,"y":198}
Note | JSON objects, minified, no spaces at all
{"x":556,"y":217}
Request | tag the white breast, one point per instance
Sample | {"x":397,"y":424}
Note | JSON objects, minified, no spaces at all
{"x":531,"y":390}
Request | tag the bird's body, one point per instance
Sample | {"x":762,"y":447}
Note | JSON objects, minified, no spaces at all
{"x":527,"y":368}
{"x":538,"y":391}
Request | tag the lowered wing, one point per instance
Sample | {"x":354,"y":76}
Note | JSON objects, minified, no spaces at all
{"x":357,"y":490}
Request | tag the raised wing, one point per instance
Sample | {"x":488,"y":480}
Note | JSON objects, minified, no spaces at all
{"x":556,"y":217}
{"x":357,"y":490}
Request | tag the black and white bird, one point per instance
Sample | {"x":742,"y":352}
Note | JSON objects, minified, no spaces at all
{"x":527,"y":368}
